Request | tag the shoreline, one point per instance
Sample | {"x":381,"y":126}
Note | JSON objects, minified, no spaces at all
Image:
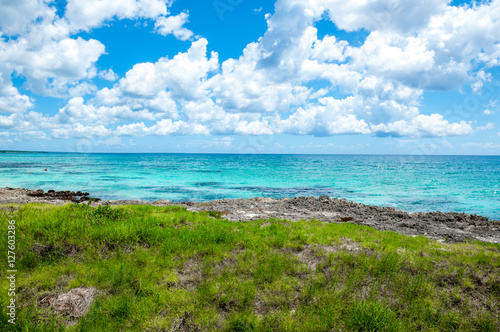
{"x":449,"y":226}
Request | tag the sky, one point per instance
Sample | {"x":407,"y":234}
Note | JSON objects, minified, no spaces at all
{"x":238,"y":76}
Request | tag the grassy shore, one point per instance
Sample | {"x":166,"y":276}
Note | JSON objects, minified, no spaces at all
{"x":167,"y":269}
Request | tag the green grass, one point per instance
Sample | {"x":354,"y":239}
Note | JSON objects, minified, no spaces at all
{"x":167,"y":269}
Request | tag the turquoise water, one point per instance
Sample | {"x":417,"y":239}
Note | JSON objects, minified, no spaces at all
{"x":413,"y":183}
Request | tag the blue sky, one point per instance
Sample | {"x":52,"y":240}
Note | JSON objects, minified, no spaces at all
{"x":239,"y":76}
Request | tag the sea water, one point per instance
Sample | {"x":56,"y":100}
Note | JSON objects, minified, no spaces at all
{"x":468,"y":184}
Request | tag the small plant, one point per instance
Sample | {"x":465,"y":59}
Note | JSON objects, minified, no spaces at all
{"x":367,"y":316}
{"x":105,"y":212}
{"x":215,"y":214}
{"x":241,"y":323}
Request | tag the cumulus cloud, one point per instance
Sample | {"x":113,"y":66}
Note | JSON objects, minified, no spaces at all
{"x":82,"y":89}
{"x":108,"y":75}
{"x":264,"y":91}
{"x":67,"y":60}
{"x":332,"y":117}
{"x":423,"y":126}
{"x":184,"y":75}
{"x":17,"y":16}
{"x":44,"y":53}
{"x":85,"y":15}
{"x":7,"y":121}
{"x":373,"y":88}
{"x":77,"y":111}
{"x":383,"y":15}
{"x":162,"y":128}
{"x":45,"y":50}
{"x":11,"y":101}
{"x":81,"y":131}
{"x":174,"y":25}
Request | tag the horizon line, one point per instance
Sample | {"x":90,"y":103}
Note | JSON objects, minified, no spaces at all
{"x":262,"y":153}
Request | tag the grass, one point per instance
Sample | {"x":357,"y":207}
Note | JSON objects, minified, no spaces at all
{"x":167,"y":269}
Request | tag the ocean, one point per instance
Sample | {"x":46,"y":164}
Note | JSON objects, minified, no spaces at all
{"x":468,"y":184}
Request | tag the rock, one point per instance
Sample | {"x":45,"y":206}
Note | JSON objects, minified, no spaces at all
{"x":66,"y":195}
{"x":437,"y":225}
{"x":161,"y":202}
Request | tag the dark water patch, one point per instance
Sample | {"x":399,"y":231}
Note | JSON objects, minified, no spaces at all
{"x":288,"y":192}
{"x":19,"y":165}
{"x":183,"y":194}
{"x":96,"y":172}
{"x":208,"y":184}
{"x":291,"y":192}
{"x":200,"y":197}
{"x":109,"y":179}
{"x":438,"y":200}
{"x":184,"y":191}
{"x":167,"y":167}
{"x":46,"y":185}
{"x":119,"y":178}
{"x":427,"y":204}
{"x":206,"y":170}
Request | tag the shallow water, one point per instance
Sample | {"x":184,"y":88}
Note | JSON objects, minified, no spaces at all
{"x":468,"y":184}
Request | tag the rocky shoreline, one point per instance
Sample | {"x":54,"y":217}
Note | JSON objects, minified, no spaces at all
{"x":449,"y":227}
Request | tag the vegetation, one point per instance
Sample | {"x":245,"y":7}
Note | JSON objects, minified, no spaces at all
{"x":167,"y":269}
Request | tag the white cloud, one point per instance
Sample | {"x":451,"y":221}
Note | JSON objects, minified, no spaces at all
{"x":264,"y":93}
{"x":108,"y":75}
{"x":393,"y":57}
{"x":393,"y":15}
{"x":82,"y":89}
{"x":31,"y":135}
{"x":168,"y":127}
{"x":7,"y":121}
{"x":15,"y":103}
{"x":329,"y":49}
{"x":483,"y":146}
{"x":17,"y":16}
{"x":11,"y":101}
{"x":225,"y":142}
{"x":423,"y":126}
{"x":80,"y":131}
{"x":85,"y":15}
{"x":282,"y":84}
{"x":174,"y":25}
{"x":135,"y":129}
{"x":480,"y":78}
{"x":112,"y":141}
{"x":141,"y":80}
{"x":77,"y":111}
{"x":161,"y":128}
{"x":53,"y":65}
{"x":183,"y":75}
{"x":488,"y":126}
{"x":334,"y":117}
{"x":488,"y":112}
{"x":45,"y":53}
{"x":163,"y":105}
